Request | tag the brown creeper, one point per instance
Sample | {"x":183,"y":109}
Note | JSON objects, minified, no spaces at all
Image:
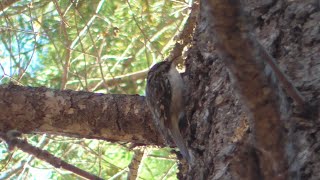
{"x":164,"y":94}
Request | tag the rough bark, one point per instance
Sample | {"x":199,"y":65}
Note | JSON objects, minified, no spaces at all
{"x":223,"y":141}
{"x":111,"y":117}
{"x":256,"y":78}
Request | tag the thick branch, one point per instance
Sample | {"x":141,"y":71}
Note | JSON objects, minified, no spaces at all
{"x":255,"y":79}
{"x":114,"y":117}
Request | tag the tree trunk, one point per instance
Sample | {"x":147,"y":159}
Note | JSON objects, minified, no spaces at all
{"x":232,"y":139}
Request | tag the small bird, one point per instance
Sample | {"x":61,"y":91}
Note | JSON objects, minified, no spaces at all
{"x":165,"y":98}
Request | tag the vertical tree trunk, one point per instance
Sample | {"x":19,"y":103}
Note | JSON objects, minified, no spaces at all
{"x":220,"y":133}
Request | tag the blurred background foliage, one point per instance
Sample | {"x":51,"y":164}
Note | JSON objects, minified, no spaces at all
{"x":98,"y":46}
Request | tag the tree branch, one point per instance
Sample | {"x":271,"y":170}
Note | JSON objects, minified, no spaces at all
{"x":115,"y":117}
{"x":135,"y":164}
{"x":44,"y":155}
{"x":122,"y":79}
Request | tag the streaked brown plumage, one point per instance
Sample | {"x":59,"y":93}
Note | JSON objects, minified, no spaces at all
{"x":164,"y":94}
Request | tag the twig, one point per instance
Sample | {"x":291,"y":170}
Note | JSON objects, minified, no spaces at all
{"x":122,"y":78}
{"x":11,"y":137}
